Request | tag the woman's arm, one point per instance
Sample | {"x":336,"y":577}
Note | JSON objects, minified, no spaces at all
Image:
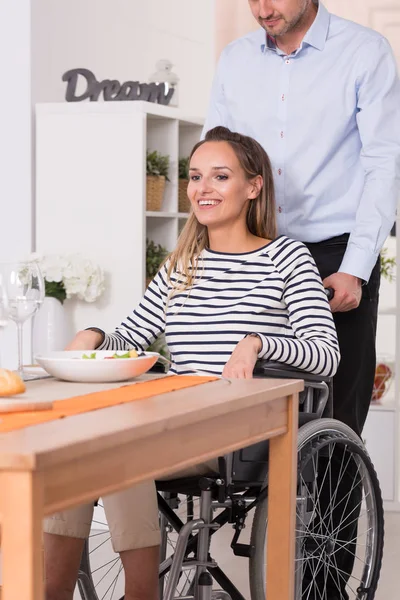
{"x":315,"y":347}
{"x":139,"y":330}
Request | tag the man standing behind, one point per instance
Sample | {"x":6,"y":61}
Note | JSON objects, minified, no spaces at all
{"x":321,"y":94}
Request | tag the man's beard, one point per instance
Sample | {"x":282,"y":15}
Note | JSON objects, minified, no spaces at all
{"x":292,"y":25}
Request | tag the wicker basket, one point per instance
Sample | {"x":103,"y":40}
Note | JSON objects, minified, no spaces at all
{"x":183,"y":200}
{"x":154,"y":191}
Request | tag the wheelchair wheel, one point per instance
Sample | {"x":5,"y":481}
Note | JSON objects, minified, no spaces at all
{"x":101,"y":575}
{"x":339,"y":527}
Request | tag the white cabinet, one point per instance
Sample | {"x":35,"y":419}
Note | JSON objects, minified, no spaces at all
{"x":91,"y":192}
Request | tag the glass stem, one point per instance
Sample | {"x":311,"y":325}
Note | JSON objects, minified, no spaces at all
{"x":20,"y":349}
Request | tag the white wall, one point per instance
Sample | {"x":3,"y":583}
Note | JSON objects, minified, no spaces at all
{"x":122,"y":39}
{"x":15,"y":146}
{"x":233,"y":19}
{"x":384,"y":16}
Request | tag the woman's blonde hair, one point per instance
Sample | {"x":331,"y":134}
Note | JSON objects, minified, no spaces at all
{"x":261,"y":219}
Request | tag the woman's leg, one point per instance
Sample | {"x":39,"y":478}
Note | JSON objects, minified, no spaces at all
{"x":141,"y":573}
{"x":133,"y":520}
{"x":132,"y":517}
{"x":64,"y":535}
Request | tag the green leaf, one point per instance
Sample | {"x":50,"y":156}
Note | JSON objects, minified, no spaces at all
{"x":155,"y":256}
{"x":183,"y":168}
{"x":55,"y":289}
{"x":157,"y":164}
{"x":388,"y":265}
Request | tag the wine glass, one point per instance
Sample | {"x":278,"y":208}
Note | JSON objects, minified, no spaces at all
{"x":4,"y":309}
{"x":24,"y":286}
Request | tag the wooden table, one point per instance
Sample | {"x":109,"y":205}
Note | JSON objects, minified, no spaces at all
{"x":60,"y":464}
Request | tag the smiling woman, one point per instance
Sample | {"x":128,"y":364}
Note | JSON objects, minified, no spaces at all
{"x":231,"y":189}
{"x":230,"y":293}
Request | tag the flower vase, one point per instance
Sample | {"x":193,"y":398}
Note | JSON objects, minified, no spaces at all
{"x":50,"y":330}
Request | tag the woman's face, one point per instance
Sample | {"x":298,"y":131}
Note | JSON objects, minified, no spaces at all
{"x":218,"y":189}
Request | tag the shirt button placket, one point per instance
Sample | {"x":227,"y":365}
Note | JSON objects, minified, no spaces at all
{"x":282,"y":115}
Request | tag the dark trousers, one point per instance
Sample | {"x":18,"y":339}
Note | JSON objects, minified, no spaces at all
{"x":352,"y":391}
{"x":356,"y":329}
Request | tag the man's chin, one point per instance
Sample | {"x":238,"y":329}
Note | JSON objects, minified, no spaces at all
{"x":275,"y":31}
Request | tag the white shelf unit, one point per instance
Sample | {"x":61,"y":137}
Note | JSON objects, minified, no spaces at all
{"x":91,"y":192}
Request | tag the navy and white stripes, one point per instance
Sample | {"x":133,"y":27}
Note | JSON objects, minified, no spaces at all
{"x":275,"y":291}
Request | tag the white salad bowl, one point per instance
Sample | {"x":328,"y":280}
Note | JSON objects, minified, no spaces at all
{"x":70,"y":365}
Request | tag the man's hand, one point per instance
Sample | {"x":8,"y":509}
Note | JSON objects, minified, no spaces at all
{"x":243,"y":358}
{"x":347,"y":291}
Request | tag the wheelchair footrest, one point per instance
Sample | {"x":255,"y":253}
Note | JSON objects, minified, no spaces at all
{"x":244,"y":550}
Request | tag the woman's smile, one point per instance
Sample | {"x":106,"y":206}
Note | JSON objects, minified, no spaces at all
{"x":207,"y":203}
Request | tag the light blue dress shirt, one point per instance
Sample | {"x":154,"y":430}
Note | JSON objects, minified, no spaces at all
{"x":328,"y":116}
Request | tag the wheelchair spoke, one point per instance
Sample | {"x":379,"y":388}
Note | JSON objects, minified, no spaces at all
{"x":92,"y":535}
{"x":344,"y":577}
{"x":113,"y":583}
{"x":114,"y":560}
{"x":102,"y":544}
{"x":313,"y":585}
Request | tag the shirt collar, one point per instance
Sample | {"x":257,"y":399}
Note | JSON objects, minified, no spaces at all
{"x":315,"y":36}
{"x":318,"y":32}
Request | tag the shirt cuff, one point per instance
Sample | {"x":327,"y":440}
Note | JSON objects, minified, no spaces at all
{"x":105,"y":343}
{"x":358,"y":262}
{"x":265,"y":346}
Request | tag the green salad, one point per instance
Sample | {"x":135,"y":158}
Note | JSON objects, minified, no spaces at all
{"x":129,"y":354}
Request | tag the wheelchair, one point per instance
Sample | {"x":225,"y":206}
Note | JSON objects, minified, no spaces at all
{"x":339,"y":517}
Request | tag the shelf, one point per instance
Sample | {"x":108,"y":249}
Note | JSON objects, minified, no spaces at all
{"x":166,"y":214}
{"x":390,"y":311}
{"x":385,"y":406}
{"x":153,"y":110}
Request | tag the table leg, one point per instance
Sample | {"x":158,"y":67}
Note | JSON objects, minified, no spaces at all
{"x":282,"y":508}
{"x":21,"y":509}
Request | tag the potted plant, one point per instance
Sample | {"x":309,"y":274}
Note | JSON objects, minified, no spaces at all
{"x":155,"y":256}
{"x":157,"y":168}
{"x":388,"y":264}
{"x":384,"y":371}
{"x":183,"y":200}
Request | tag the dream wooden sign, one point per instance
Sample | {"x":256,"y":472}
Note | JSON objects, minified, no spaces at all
{"x":113,"y":90}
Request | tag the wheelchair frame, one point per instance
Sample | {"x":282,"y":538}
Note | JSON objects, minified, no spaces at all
{"x":239,"y":486}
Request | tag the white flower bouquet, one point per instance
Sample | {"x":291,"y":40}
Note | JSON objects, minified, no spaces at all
{"x":71,"y":275}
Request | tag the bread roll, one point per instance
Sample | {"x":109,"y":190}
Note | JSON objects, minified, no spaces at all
{"x":10,"y":383}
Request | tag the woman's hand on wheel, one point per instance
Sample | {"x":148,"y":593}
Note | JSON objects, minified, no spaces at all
{"x":243,"y":359}
{"x":85,"y":340}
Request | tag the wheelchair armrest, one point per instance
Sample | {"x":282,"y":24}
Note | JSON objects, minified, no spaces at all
{"x":265,"y":368}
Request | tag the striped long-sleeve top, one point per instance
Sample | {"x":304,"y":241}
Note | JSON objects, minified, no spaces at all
{"x":275,"y":291}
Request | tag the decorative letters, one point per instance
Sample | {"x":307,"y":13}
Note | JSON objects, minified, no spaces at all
{"x":113,"y":90}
